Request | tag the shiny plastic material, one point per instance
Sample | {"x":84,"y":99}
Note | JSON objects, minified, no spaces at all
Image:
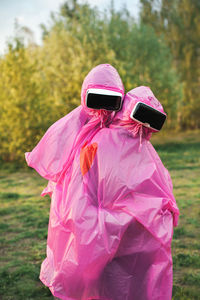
{"x":111,"y":224}
{"x":53,"y":157}
{"x":54,"y":153}
{"x":51,"y":153}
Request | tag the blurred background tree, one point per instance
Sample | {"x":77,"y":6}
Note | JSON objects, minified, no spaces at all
{"x":179,"y":22}
{"x":40,"y":84}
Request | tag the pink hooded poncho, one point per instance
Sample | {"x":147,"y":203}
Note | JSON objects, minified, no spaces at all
{"x":54,"y":153}
{"x":111,"y":227}
{"x":53,"y":157}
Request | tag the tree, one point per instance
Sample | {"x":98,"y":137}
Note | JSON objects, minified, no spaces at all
{"x":143,"y":59}
{"x":40,"y":84}
{"x":23,"y":109}
{"x":179,"y":21}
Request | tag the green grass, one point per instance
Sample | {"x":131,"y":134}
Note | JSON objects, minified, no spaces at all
{"x":181,"y":155}
{"x":23,"y":227}
{"x":24,"y":223}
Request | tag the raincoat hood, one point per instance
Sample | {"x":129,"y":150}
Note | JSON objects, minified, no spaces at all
{"x":122,"y":118}
{"x":54,"y":153}
{"x":103,"y":76}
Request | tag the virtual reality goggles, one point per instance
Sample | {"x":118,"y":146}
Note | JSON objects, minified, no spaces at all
{"x":148,"y":116}
{"x":103,"y":99}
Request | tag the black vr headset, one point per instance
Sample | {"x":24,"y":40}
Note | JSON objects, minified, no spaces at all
{"x":103,"y":99}
{"x":112,"y":101}
{"x":148,"y":116}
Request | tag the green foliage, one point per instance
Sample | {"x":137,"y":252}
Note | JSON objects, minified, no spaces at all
{"x":40,"y":84}
{"x":179,"y":22}
{"x":24,"y":111}
{"x":139,"y":56}
{"x":148,"y":61}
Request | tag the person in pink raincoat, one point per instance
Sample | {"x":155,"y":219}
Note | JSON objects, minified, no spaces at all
{"x":54,"y":154}
{"x":113,"y":225}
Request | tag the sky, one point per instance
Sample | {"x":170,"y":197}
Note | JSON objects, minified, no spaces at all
{"x":32,"y":13}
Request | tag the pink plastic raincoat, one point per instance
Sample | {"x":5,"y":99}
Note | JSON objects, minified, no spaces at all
{"x":54,"y":154}
{"x":125,"y":226}
{"x":111,"y":225}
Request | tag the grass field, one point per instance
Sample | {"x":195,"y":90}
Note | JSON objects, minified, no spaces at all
{"x":24,"y":221}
